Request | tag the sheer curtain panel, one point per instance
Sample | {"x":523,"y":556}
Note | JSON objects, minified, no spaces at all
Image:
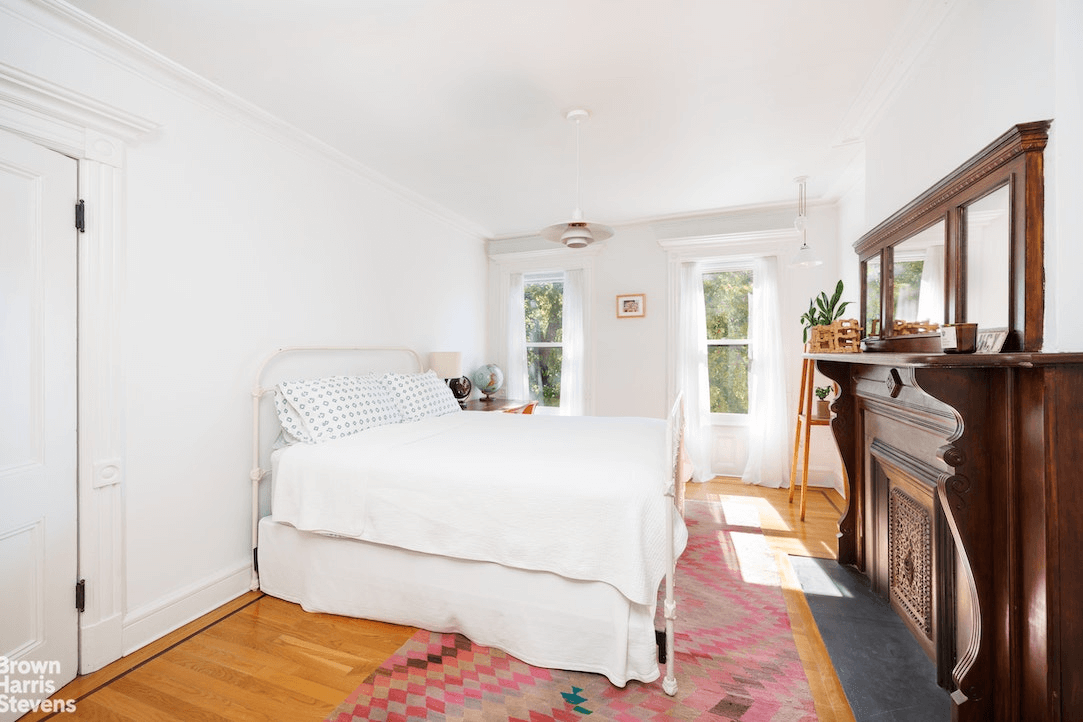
{"x":515,"y":374}
{"x":571,"y":366}
{"x":692,"y":370}
{"x":768,"y":462}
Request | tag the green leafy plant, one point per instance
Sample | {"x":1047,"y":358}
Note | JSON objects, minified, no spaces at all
{"x":822,"y":392}
{"x":823,"y":310}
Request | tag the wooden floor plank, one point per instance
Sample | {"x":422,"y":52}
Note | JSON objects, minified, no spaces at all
{"x":261,"y":658}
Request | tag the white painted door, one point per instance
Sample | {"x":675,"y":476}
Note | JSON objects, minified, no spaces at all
{"x":39,"y":625}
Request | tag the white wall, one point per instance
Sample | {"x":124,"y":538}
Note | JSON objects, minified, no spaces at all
{"x":240,"y":238}
{"x":1064,"y":186}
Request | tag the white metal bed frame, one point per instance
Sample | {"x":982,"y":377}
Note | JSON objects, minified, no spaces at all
{"x":675,"y":448}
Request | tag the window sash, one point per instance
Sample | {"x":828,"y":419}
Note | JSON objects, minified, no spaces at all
{"x":543,"y":278}
{"x":729,"y":417}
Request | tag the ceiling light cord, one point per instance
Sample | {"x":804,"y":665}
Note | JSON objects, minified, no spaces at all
{"x":804,"y":257}
{"x":578,"y":209}
{"x":577,"y":232}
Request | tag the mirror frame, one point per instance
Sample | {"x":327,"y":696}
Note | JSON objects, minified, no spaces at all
{"x":1015,"y":159}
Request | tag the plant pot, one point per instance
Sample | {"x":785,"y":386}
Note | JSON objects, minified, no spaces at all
{"x":822,"y":410}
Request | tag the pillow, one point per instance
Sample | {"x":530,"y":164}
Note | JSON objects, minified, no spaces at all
{"x":290,"y":419}
{"x":420,"y":395}
{"x":319,"y":410}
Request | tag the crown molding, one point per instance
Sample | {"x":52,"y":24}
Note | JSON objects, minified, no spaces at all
{"x":94,"y":36}
{"x":750,"y":243}
{"x":556,"y":257}
{"x":894,"y":67}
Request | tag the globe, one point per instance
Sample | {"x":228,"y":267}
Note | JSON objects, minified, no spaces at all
{"x":488,"y":379}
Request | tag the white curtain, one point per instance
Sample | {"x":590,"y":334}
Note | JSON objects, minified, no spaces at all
{"x":571,"y":365}
{"x":515,"y":374}
{"x":931,"y":296}
{"x":692,"y":370}
{"x":768,"y":462}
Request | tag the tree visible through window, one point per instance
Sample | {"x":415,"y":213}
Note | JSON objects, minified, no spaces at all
{"x":543,"y":306}
{"x":726,"y":300}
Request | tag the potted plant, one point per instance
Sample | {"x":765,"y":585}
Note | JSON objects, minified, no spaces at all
{"x":823,"y":406}
{"x":823,"y":310}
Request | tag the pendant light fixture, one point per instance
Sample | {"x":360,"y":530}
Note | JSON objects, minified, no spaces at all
{"x":804,"y":257}
{"x":577,"y":233}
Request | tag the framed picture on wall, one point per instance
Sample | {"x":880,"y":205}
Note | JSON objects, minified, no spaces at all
{"x":633,"y":305}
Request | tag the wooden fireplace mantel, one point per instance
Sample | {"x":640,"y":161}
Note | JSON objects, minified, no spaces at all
{"x":965,"y":509}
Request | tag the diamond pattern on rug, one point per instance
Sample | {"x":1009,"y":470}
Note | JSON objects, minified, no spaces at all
{"x":736,"y":657}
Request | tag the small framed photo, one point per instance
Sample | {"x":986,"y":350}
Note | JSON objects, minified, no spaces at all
{"x":632,"y":305}
{"x":991,"y":340}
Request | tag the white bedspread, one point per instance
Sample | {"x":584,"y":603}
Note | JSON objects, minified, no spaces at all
{"x":578,"y":496}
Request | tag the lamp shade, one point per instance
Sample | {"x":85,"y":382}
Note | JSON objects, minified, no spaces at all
{"x":446,"y":364}
{"x":805,"y":258}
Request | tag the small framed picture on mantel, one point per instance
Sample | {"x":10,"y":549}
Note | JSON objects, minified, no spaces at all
{"x":991,"y":340}
{"x":632,"y":305}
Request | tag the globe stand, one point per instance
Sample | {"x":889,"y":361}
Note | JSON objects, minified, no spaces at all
{"x":488,"y":379}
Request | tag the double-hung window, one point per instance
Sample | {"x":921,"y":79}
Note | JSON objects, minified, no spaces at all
{"x":543,"y":316}
{"x":727,"y":292}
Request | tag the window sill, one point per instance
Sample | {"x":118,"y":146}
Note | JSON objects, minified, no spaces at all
{"x":729,"y":420}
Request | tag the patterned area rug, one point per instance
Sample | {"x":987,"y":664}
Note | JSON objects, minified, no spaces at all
{"x":736,"y":655}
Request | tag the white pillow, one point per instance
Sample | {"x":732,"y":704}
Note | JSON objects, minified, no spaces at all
{"x":290,"y":419}
{"x":420,"y":395}
{"x":319,"y":410}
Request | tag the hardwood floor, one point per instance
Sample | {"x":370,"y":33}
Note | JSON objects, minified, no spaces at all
{"x":257,"y":658}
{"x":787,"y":534}
{"x":260,"y":658}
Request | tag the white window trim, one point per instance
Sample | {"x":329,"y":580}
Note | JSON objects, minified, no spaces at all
{"x":720,"y":252}
{"x":501,"y":268}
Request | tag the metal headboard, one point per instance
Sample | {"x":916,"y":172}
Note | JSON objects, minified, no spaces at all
{"x":301,"y":362}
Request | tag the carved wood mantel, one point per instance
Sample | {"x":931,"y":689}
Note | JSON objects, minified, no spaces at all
{"x":965,"y":508}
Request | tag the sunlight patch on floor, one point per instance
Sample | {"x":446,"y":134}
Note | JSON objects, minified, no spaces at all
{"x":815,"y":580}
{"x":741,"y":511}
{"x":754,"y":558}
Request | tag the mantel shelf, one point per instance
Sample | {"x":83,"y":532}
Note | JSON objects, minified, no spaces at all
{"x":952,"y":360}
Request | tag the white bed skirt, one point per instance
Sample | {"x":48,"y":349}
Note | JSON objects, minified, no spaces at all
{"x":539,"y":617}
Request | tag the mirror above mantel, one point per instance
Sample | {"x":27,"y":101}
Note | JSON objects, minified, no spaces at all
{"x":968,"y":250}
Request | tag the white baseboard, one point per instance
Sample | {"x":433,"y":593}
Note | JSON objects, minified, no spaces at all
{"x":153,"y":621}
{"x":829,"y":478}
{"x":100,"y":644}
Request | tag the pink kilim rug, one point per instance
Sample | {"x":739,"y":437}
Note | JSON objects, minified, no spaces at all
{"x":735,"y":652}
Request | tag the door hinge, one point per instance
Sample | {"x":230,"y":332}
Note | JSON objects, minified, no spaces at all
{"x":80,"y":595}
{"x":80,"y":215}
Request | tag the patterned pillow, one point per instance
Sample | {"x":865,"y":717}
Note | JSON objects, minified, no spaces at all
{"x":290,"y":418}
{"x":323,"y":409}
{"x":420,"y":395}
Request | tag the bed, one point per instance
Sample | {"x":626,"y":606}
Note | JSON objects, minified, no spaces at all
{"x":547,"y":537}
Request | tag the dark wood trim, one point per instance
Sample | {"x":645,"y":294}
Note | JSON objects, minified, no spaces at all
{"x":1003,"y":437}
{"x":1015,"y":160}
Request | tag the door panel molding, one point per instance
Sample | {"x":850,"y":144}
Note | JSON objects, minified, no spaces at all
{"x":96,"y":135}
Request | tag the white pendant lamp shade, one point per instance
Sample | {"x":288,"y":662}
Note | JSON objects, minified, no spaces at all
{"x":577,"y":232}
{"x":804,"y":258}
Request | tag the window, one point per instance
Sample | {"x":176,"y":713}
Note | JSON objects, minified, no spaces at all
{"x":543,"y":315}
{"x":726,"y":295}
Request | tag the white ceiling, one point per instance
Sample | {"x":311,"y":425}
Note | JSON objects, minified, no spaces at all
{"x":696,"y":105}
